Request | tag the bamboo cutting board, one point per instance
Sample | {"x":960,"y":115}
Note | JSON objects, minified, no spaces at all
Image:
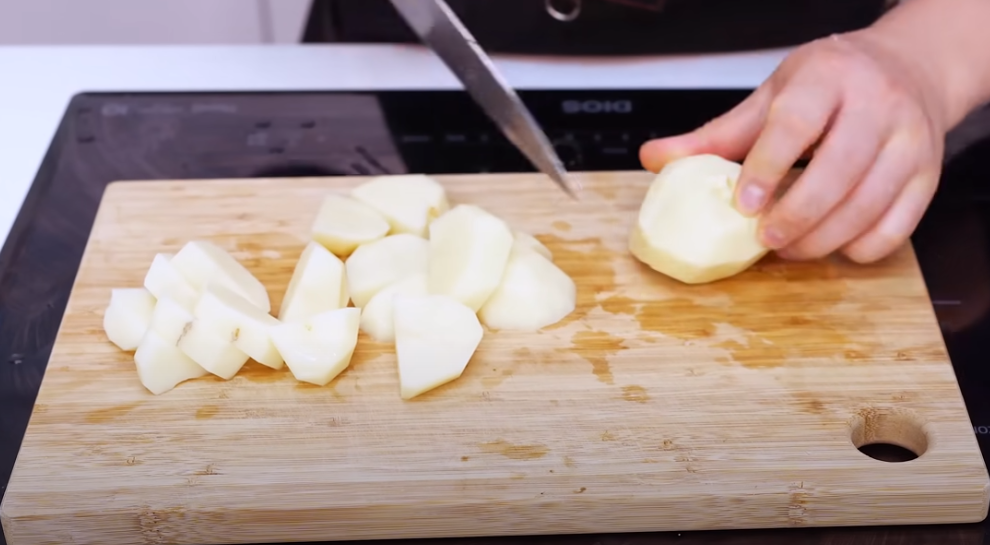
{"x":654,"y":406}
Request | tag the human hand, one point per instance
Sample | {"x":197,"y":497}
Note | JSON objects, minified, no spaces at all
{"x":876,"y":126}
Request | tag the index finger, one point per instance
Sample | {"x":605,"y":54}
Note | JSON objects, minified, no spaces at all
{"x":796,"y":119}
{"x":729,"y":135}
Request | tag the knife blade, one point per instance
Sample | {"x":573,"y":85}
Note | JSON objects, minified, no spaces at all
{"x":441,"y":30}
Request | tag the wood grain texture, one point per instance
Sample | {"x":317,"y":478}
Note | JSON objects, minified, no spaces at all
{"x":654,"y":406}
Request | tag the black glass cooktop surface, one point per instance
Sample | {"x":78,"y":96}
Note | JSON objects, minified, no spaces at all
{"x":126,"y":136}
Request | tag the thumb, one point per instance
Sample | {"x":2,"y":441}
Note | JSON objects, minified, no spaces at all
{"x":730,"y":135}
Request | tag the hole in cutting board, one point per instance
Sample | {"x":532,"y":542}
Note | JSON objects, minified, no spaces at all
{"x":885,"y":452}
{"x":889,"y":435}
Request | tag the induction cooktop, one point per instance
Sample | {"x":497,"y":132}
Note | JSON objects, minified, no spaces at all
{"x":105,"y":137}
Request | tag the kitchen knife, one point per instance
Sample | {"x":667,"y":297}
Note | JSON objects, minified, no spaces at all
{"x":440,"y":29}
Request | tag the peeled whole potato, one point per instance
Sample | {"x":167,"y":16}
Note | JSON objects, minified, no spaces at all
{"x":688,"y":227}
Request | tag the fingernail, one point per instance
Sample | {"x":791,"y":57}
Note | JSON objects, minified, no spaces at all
{"x":751,"y":199}
{"x":772,"y":238}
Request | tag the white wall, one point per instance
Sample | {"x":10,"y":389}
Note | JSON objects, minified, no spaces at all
{"x":38,"y":22}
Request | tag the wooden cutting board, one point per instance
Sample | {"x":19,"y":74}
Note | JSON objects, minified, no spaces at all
{"x":655,"y":406}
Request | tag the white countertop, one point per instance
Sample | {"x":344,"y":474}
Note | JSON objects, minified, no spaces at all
{"x":36,"y":83}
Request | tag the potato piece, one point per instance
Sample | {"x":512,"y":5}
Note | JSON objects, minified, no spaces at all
{"x":161,"y":366}
{"x":532,"y":294}
{"x":128,"y":316}
{"x":688,"y":227}
{"x":215,"y":354}
{"x":469,"y":248}
{"x":374,"y":266}
{"x":170,"y":320}
{"x":526,"y":240}
{"x":408,"y":202}
{"x":318,"y":284}
{"x":342,"y":224}
{"x":201,"y":262}
{"x":376,"y":316}
{"x":435,"y":338}
{"x":232,"y":316}
{"x":163,"y":280}
{"x":211,"y":342}
{"x":320,"y":349}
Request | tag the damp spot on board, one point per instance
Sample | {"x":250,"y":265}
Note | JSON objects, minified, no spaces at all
{"x":526,"y":355}
{"x":606,"y":191}
{"x":753,"y":353}
{"x":785,"y":311}
{"x":596,"y":347}
{"x":523,"y":354}
{"x":562,"y":225}
{"x":512,"y":451}
{"x":109,"y":414}
{"x":569,"y":462}
{"x":809,"y":403}
{"x":635,"y":394}
{"x":619,"y":304}
{"x":693,"y":321}
{"x":495,"y":378}
{"x":206,"y":412}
